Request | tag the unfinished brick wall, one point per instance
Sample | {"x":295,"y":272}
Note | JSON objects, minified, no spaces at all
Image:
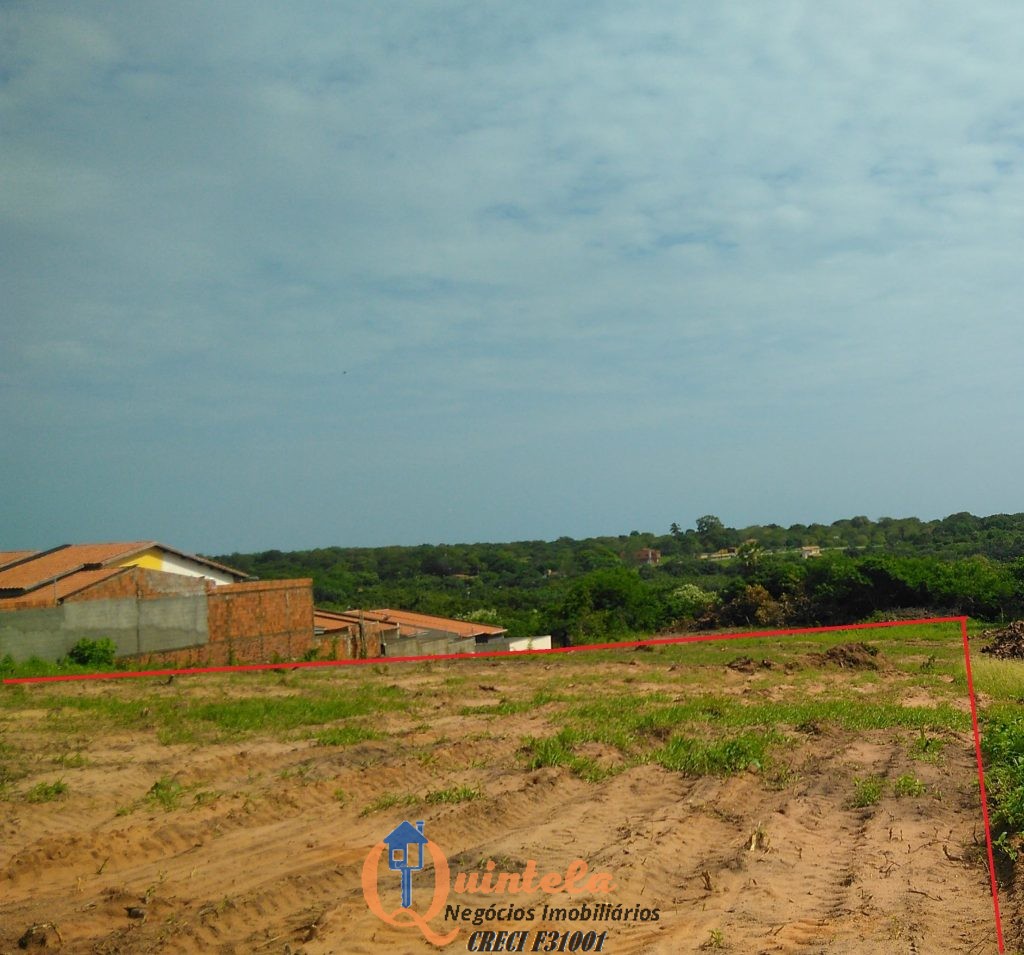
{"x":346,"y":644}
{"x":263,"y":621}
{"x":141,"y":583}
{"x":260,"y":621}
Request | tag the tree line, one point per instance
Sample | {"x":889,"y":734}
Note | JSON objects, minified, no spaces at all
{"x":612,"y":587}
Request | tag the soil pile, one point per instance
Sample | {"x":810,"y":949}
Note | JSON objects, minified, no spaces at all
{"x":851,"y":656}
{"x":1007,"y":643}
{"x":747,"y":665}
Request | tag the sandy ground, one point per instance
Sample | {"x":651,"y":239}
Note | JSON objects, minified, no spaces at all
{"x":264,"y":853}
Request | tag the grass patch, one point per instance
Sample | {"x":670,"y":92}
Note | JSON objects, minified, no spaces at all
{"x":508,"y":707}
{"x":304,"y":772}
{"x":867,"y":792}
{"x":720,"y":757}
{"x":714,"y":941}
{"x":1002,"y":743}
{"x":389,"y":800}
{"x":257,"y":713}
{"x":47,"y":792}
{"x":632,"y":723}
{"x":166,"y":793}
{"x":180,"y":719}
{"x":455,"y":794}
{"x":11,"y":768}
{"x":927,"y":748}
{"x":909,"y":786}
{"x":558,"y":750}
{"x":1000,"y":679}
{"x":344,"y":735}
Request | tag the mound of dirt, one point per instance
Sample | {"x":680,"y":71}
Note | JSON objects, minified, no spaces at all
{"x":851,"y":656}
{"x":747,"y":665}
{"x":1007,"y":642}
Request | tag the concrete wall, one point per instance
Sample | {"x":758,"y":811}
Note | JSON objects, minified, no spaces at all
{"x":429,"y":643}
{"x":171,"y":620}
{"x":512,"y":644}
{"x":263,"y":621}
{"x":135,"y":626}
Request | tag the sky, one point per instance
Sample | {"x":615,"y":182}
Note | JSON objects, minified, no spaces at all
{"x":378,"y":272}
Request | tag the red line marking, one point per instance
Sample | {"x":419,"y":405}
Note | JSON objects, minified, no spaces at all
{"x":981,"y":784}
{"x":654,"y":641}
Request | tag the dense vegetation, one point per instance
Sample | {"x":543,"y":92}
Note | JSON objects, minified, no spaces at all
{"x":609,"y":587}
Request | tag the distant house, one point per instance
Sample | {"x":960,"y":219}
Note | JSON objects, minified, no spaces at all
{"x":401,"y":633}
{"x":648,"y":555}
{"x":810,"y":550}
{"x":354,"y":633}
{"x":726,"y":553}
{"x":413,"y":624}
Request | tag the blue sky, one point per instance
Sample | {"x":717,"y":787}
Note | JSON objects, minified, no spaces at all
{"x":375,"y":272}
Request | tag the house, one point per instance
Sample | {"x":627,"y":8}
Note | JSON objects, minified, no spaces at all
{"x":47,"y":578}
{"x":421,"y":633}
{"x":353,"y":634}
{"x":810,"y":550}
{"x":158,"y":604}
{"x":726,"y":553}
{"x":403,"y":633}
{"x":648,"y":555}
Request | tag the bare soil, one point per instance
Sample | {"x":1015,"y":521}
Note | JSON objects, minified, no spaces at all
{"x":263,"y":852}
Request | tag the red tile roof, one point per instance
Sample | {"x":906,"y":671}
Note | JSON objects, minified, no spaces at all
{"x":13,"y":556}
{"x":423,"y":621}
{"x":65,"y":560}
{"x":331,"y":620}
{"x":51,"y":594}
{"x":39,"y":569}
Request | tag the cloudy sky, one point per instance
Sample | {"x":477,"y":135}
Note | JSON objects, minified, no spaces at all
{"x":372,"y":272}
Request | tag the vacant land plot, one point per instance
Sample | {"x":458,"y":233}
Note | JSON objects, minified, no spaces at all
{"x":784,"y":794}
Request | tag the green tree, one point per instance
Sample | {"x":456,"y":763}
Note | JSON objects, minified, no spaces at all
{"x":713,"y":533}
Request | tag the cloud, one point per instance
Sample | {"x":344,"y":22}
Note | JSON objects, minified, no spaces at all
{"x":533,"y":221}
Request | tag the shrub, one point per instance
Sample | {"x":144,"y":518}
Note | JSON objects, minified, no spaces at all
{"x":93,"y":653}
{"x":1002,"y":744}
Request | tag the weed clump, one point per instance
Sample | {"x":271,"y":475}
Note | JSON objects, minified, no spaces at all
{"x":1002,"y":744}
{"x":93,"y":653}
{"x":867,"y":792}
{"x":47,"y":792}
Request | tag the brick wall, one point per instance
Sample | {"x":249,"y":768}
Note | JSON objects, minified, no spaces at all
{"x":142,"y":583}
{"x":253,"y":622}
{"x":346,"y":645}
{"x":260,"y":621}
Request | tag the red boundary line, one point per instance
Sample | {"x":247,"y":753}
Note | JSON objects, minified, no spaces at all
{"x":981,"y":784}
{"x":655,"y":641}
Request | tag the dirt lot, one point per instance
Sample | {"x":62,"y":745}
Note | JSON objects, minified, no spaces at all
{"x":223,"y":814}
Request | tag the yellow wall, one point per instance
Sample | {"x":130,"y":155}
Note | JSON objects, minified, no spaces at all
{"x":151,"y":559}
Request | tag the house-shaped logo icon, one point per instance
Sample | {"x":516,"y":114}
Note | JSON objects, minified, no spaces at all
{"x":405,"y":854}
